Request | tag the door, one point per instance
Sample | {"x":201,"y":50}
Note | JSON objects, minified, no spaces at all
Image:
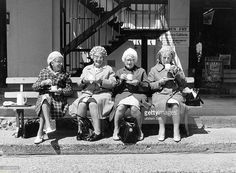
{"x":3,"y":44}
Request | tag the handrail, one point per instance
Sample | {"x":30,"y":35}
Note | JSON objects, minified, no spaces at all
{"x":92,"y":29}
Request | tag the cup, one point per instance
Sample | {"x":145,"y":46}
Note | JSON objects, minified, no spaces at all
{"x":167,"y":66}
{"x":91,"y":78}
{"x":54,"y":88}
{"x":20,"y":99}
{"x":129,"y":77}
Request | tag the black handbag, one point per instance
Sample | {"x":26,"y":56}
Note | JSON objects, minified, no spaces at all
{"x":86,"y":128}
{"x":193,"y":101}
{"x":31,"y":127}
{"x":129,"y":132}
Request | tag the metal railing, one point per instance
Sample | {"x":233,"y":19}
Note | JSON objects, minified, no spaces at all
{"x":79,"y":15}
{"x":145,"y":16}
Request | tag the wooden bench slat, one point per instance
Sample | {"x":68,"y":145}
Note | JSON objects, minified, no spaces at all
{"x":21,"y":80}
{"x":30,"y":80}
{"x":28,"y":94}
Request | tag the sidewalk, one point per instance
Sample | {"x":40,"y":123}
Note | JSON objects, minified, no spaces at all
{"x":212,"y":129}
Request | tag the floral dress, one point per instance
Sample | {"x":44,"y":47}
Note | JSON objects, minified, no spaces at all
{"x":58,"y":103}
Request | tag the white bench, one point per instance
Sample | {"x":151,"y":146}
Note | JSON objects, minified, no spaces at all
{"x":30,"y":94}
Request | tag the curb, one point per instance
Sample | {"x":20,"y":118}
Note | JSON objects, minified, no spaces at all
{"x":77,"y":149}
{"x":64,"y":143}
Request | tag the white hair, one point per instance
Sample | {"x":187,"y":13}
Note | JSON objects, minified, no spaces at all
{"x":130,"y":52}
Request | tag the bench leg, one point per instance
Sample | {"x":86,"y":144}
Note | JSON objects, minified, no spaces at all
{"x":186,"y":120}
{"x":19,"y":123}
{"x":17,"y":132}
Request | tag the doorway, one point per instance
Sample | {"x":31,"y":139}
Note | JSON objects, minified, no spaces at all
{"x":3,"y":43}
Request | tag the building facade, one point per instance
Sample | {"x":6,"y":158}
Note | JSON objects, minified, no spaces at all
{"x":34,"y":29}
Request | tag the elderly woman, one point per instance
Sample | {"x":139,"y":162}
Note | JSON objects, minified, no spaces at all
{"x":131,"y":88}
{"x":97,"y":81}
{"x":167,"y":82}
{"x":53,"y":85}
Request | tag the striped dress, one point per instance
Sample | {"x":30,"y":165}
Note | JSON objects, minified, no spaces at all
{"x":58,"y":103}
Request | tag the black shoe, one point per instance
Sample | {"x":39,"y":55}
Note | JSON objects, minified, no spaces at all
{"x":95,"y":137}
{"x":79,"y":136}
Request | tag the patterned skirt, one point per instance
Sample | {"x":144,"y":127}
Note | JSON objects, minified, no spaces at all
{"x":58,"y":105}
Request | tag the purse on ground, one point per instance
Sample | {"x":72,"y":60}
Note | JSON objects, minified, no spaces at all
{"x":129,"y":131}
{"x":31,"y":127}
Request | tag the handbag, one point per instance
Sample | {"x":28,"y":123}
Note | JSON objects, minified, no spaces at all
{"x":193,"y":101}
{"x":129,"y":131}
{"x":86,"y":128}
{"x":31,"y":128}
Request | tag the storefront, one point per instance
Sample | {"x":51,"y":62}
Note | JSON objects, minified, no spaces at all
{"x":212,"y":24}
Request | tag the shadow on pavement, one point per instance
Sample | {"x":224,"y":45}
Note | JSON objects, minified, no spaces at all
{"x":194,"y":128}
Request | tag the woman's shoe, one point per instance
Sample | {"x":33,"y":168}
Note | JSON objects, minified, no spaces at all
{"x":49,"y":130}
{"x":141,"y":136}
{"x":38,"y":139}
{"x":79,"y":136}
{"x":177,"y":138}
{"x":161,"y":137}
{"x":95,"y":137}
{"x":115,"y":137}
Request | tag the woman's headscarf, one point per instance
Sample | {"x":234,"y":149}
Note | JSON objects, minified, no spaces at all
{"x":53,"y":55}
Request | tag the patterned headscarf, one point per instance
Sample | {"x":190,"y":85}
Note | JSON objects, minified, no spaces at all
{"x":53,"y":55}
{"x":98,"y":50}
{"x":131,"y":52}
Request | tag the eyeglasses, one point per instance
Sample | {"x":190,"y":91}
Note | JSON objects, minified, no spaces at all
{"x":130,"y":59}
{"x":98,"y":57}
{"x":58,"y":62}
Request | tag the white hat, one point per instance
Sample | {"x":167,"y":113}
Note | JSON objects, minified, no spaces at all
{"x":53,"y":55}
{"x":132,"y":52}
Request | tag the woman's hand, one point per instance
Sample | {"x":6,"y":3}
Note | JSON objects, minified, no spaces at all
{"x":46,"y":82}
{"x":99,"y":81}
{"x":85,"y":81}
{"x":134,"y":82}
{"x":58,"y":91}
{"x":163,"y":80}
{"x":123,"y":76}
